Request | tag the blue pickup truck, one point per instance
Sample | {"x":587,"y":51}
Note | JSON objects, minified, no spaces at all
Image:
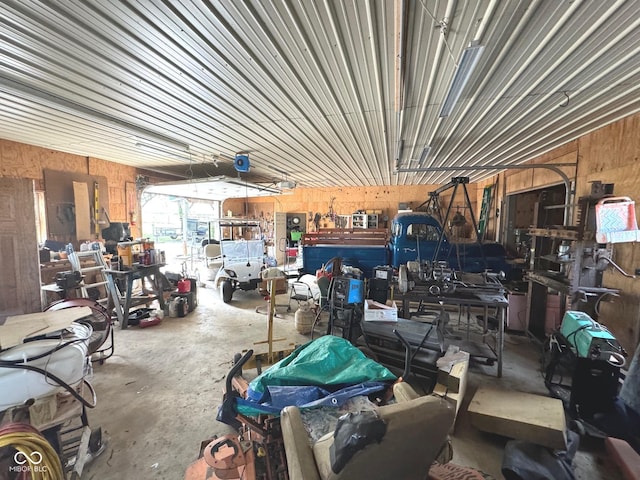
{"x":414,"y":236}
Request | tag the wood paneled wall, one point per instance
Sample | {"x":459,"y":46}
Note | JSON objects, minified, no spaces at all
{"x":18,"y":160}
{"x":610,"y":155}
{"x":344,"y":200}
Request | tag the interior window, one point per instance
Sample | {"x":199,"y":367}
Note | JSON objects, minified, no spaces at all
{"x":422,"y":231}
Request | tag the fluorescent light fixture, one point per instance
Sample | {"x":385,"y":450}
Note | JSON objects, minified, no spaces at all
{"x":425,"y":153}
{"x":286,"y":184}
{"x":400,"y":150}
{"x":169,"y":145}
{"x":470,"y":57}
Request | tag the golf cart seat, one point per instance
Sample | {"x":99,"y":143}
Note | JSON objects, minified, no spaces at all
{"x":213,"y":256}
{"x":399,"y":440}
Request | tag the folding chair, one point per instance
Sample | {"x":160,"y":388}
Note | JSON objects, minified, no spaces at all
{"x":300,"y":292}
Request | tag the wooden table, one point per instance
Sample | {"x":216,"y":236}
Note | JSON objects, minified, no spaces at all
{"x":120,"y":283}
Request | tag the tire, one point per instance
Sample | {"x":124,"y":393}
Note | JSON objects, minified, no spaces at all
{"x":226,"y":291}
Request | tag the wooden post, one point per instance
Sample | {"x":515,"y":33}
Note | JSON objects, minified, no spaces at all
{"x":272,"y":308}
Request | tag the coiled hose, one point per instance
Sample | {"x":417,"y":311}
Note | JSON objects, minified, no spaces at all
{"x":34,"y":454}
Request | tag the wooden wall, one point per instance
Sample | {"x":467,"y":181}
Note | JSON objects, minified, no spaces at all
{"x":611,"y":155}
{"x":343,"y":201}
{"x":18,"y":160}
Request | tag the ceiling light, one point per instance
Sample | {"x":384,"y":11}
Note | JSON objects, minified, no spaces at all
{"x":470,"y":57}
{"x":286,"y":184}
{"x":425,"y":153}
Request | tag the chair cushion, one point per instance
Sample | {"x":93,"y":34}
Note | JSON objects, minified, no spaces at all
{"x":416,"y":431}
{"x":300,"y":462}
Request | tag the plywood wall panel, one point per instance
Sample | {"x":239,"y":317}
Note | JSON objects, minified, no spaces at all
{"x":19,"y":160}
{"x":347,"y":200}
{"x":519,"y":180}
{"x":610,"y":155}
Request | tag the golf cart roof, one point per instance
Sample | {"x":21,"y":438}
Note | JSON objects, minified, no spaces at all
{"x":235,"y":222}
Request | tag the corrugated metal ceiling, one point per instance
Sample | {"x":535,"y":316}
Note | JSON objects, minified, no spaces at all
{"x":330,"y":92}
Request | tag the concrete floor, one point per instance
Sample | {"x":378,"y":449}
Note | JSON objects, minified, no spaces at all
{"x":158,"y":395}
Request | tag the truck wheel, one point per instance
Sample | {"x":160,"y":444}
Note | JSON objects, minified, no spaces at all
{"x":226,"y":291}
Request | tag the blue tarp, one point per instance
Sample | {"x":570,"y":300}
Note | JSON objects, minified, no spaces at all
{"x":324,"y":372}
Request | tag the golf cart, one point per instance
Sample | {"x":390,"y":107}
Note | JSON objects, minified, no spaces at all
{"x":242,"y":250}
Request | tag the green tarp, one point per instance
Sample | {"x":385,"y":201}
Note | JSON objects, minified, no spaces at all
{"x":330,"y":362}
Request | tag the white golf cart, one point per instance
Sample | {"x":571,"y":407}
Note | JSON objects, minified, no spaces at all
{"x":243,"y":256}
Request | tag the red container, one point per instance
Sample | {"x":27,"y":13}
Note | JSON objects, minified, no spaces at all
{"x":149,"y":322}
{"x":184,"y":286}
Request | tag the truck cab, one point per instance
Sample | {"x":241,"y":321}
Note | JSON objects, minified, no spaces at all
{"x":414,"y":237}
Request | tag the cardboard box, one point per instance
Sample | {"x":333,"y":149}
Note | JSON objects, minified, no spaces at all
{"x":379,"y":312}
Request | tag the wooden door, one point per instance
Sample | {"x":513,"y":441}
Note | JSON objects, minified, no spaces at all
{"x":19,"y":260}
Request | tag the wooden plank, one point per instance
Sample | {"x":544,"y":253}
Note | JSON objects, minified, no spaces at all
{"x":19,"y":327}
{"x":452,"y":367}
{"x":83,"y":210}
{"x":519,"y":415}
{"x":349,"y":236}
{"x":59,"y":193}
{"x":561,"y":233}
{"x":457,"y":380}
{"x":457,"y":385}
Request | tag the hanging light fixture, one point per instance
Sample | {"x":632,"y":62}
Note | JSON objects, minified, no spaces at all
{"x":468,"y":62}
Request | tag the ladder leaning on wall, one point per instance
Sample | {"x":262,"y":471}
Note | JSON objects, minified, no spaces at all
{"x":98,"y":266}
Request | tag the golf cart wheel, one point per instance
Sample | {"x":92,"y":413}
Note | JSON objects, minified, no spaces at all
{"x":226,"y":290}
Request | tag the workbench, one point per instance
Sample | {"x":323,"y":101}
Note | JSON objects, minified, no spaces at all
{"x":120,"y":283}
{"x":487,"y":300}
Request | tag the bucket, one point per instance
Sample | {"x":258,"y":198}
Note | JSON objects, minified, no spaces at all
{"x":304,"y":318}
{"x":184,"y":286}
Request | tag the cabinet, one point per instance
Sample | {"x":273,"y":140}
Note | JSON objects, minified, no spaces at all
{"x":364,"y":220}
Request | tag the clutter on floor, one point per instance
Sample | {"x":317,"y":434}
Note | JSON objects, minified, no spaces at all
{"x":400,"y":439}
{"x":537,"y":419}
{"x":45,"y":366}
